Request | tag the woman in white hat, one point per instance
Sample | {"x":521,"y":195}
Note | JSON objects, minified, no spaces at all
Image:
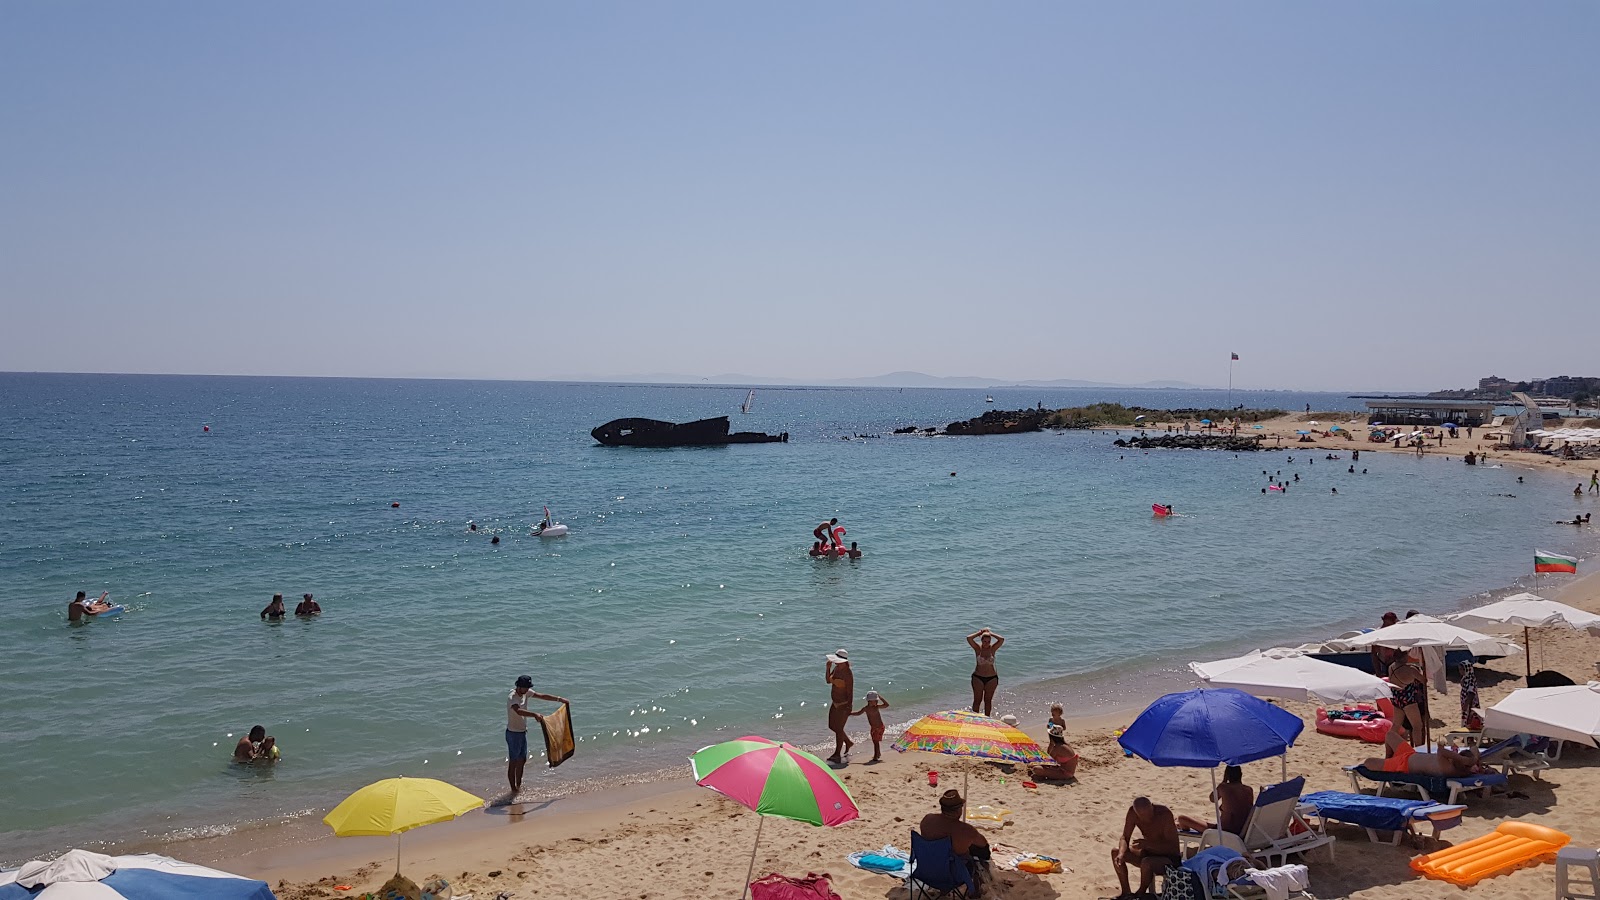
{"x":842,"y":682}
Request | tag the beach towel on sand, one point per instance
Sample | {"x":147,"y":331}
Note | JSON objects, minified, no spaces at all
{"x":558,"y":743}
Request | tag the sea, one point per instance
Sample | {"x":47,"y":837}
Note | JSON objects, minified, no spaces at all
{"x":682,"y":608}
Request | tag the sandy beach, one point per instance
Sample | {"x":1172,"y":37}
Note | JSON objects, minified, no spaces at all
{"x":1283,"y":432}
{"x":672,"y":839}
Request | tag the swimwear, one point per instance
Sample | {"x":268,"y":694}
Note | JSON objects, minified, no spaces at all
{"x":877,"y":733}
{"x":986,"y":679}
{"x":1410,"y":695}
{"x":516,"y":744}
{"x":1402,"y":756}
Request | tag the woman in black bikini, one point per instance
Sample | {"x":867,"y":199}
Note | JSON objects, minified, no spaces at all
{"x":985,"y":644}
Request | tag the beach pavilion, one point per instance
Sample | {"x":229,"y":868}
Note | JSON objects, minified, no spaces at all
{"x":1400,"y":411}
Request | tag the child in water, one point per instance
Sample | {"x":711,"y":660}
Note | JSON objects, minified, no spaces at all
{"x":873,"y":708}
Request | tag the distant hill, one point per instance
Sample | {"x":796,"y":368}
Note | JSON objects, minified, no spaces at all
{"x":890,"y":380}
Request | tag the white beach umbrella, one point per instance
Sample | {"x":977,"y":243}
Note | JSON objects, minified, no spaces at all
{"x":1426,"y":631}
{"x":1291,"y":675}
{"x":1529,"y":611}
{"x":1569,"y":713}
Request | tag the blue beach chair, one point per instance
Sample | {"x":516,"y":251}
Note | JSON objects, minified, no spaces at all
{"x":936,"y":870}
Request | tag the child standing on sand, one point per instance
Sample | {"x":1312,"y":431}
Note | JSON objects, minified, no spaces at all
{"x":872,"y":708}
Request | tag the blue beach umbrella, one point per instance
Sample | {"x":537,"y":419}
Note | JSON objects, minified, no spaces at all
{"x":1302,"y":432}
{"x":1205,"y":421}
{"x":143,"y":876}
{"x":1209,"y":728}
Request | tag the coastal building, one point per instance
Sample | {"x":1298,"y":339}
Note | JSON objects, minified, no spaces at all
{"x":1430,"y":412}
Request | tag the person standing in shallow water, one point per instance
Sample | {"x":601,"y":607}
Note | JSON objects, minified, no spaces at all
{"x":842,"y":694}
{"x":985,"y":679}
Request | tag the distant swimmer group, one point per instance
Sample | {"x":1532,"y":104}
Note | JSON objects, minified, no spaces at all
{"x":829,"y":543}
{"x":276,"y":612}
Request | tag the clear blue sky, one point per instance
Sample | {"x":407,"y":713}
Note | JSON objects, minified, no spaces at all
{"x":1349,"y":195}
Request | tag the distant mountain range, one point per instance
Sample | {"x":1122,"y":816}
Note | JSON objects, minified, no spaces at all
{"x":892,"y":379}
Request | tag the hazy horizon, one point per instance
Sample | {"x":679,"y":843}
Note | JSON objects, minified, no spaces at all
{"x":1350,"y":196}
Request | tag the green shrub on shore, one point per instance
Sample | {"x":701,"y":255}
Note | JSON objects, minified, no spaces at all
{"x":1099,"y":415}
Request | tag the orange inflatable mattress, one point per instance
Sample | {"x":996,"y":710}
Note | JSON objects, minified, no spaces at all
{"x":1511,"y":846}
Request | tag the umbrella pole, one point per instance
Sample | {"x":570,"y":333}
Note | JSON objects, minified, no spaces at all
{"x":760,"y":820}
{"x":1527,"y":654}
{"x":397,"y":853}
{"x":1216,"y":802}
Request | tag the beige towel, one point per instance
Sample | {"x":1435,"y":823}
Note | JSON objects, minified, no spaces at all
{"x":558,"y":743}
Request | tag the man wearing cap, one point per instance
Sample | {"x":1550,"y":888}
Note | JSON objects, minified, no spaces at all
{"x":517,"y":716}
{"x":965,"y":840}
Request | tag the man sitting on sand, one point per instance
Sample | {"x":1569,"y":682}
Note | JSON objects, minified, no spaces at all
{"x":1405,"y":759}
{"x":1154,"y":849}
{"x":1234,"y":800}
{"x":965,"y":839}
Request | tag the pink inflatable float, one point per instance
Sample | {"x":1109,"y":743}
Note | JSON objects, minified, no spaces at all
{"x":1366,"y":722}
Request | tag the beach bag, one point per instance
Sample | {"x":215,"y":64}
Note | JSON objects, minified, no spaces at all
{"x":1182,"y":884}
{"x":779,"y":887}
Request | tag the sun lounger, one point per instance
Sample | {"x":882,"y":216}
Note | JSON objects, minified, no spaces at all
{"x":1223,"y":872}
{"x":1392,"y":814}
{"x":1510,"y":755}
{"x":1428,"y":786}
{"x":1271,"y":832}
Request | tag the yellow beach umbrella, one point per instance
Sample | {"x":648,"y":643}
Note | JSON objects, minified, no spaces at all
{"x":396,"y":805}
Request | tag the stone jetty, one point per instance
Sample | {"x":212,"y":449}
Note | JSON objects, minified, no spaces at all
{"x":1229,"y":442}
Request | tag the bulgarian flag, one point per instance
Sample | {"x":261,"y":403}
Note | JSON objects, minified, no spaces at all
{"x":1544,"y":561}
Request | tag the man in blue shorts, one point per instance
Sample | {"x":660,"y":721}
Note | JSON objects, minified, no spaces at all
{"x":517,"y":716}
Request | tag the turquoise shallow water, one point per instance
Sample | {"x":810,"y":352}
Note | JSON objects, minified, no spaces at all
{"x":682,"y":609}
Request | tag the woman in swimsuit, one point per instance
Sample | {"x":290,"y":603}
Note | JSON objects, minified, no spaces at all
{"x":985,"y":644}
{"x":1410,"y":689}
{"x":842,"y":683}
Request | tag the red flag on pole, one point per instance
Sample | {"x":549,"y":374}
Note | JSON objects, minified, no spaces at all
{"x":1235,"y":356}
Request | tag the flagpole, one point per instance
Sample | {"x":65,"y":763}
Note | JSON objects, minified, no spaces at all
{"x":1232,"y":357}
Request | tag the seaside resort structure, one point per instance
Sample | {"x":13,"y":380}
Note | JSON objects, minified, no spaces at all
{"x":1474,"y":413}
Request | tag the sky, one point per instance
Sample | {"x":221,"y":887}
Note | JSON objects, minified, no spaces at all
{"x":1362,"y":195}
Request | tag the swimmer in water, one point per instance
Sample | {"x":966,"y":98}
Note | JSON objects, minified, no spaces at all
{"x":80,"y":607}
{"x":472,"y":526}
{"x":855,"y":553}
{"x":274,"y":611}
{"x":257,"y":745}
{"x":307,"y":607}
{"x":495,"y":539}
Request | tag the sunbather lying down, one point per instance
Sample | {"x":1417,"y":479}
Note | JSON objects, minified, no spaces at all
{"x":1404,"y":758}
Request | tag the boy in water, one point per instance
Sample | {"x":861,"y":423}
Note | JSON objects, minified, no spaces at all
{"x":873,"y":708}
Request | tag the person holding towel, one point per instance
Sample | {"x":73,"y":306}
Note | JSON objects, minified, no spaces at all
{"x":517,"y":716}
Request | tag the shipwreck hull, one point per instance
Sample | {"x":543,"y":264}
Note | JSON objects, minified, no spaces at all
{"x":656,"y":433}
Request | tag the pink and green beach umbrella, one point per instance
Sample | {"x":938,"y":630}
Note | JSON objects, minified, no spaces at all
{"x":774,"y":779}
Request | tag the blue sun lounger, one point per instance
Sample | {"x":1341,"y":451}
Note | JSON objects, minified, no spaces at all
{"x":1428,"y":786}
{"x":1392,"y":814}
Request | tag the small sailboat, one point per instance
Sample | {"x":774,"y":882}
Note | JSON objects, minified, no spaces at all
{"x":549,"y":528}
{"x":749,"y":400}
{"x":988,"y":399}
